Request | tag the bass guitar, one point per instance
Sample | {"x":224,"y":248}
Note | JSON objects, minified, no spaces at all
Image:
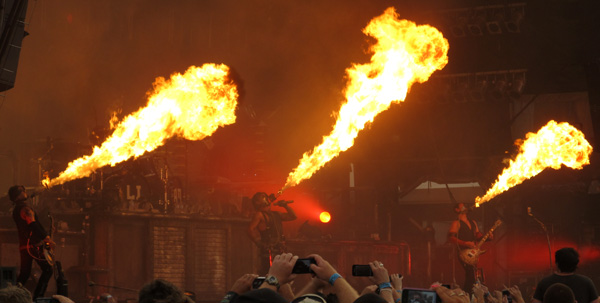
{"x":471,"y":255}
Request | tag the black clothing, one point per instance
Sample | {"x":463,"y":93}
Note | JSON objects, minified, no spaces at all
{"x":31,"y":235}
{"x":271,"y":239}
{"x":467,"y":234}
{"x":582,"y":287}
{"x":273,"y":234}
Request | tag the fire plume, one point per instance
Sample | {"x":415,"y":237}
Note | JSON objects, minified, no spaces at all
{"x":554,"y":145}
{"x":192,"y":105}
{"x":403,"y":54}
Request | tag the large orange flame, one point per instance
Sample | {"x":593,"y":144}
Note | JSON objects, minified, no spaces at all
{"x":553,"y":145}
{"x":192,"y":106}
{"x":404,"y":54}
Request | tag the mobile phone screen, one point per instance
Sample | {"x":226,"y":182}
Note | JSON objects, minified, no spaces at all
{"x":258,"y":281}
{"x":418,"y":295}
{"x":361,"y":270}
{"x":506,"y":293}
{"x":302,"y":266}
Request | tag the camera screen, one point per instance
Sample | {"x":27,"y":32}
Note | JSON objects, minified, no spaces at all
{"x":414,"y":295}
{"x":506,"y":293}
{"x":361,"y":270}
{"x":257,"y":282}
{"x":302,"y":266}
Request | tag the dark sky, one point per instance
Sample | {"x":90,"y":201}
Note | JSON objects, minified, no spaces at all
{"x":85,"y":59}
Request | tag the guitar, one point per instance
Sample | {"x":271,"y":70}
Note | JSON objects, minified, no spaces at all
{"x":471,"y":255}
{"x":48,"y":251}
{"x":62,"y":285}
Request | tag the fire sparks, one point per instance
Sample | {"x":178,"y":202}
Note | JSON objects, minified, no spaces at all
{"x":553,"y":145}
{"x":191,"y":105}
{"x":404,"y":54}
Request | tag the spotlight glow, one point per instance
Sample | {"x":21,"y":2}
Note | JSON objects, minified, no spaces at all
{"x":325,"y":217}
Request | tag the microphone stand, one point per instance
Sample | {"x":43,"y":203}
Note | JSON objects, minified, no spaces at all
{"x":547,"y":239}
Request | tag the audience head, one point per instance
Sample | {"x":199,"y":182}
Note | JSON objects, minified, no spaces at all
{"x":559,"y":293}
{"x":370,"y":298}
{"x":261,"y":295}
{"x":566,"y":259}
{"x":310,"y":298}
{"x":161,"y":291}
{"x":15,"y":294}
{"x":105,"y":298}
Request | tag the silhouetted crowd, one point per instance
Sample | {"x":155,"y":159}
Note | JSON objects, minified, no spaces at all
{"x":328,"y":286}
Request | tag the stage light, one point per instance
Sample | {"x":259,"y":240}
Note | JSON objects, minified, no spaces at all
{"x":513,"y":23}
{"x":493,"y":24}
{"x":325,"y":217}
{"x":499,"y":87}
{"x":476,"y":23}
{"x":516,"y":86}
{"x":479,"y":90}
{"x":458,"y":28}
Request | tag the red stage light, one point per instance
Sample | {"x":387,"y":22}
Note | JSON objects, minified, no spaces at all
{"x":325,"y":217}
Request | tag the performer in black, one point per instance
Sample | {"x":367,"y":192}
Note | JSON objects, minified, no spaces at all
{"x":266,"y":230}
{"x":32,"y":236}
{"x":464,"y":233}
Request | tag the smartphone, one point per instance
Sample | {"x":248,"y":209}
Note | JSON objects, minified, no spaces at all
{"x":420,"y":295}
{"x":506,"y":293}
{"x":258,"y":281}
{"x":302,"y":266}
{"x":361,"y":270}
{"x":46,"y":300}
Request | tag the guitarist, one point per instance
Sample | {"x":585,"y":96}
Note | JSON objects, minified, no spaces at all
{"x":464,"y":233}
{"x":32,"y":236}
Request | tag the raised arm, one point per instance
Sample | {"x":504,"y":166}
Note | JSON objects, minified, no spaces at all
{"x":324,"y":271}
{"x":289,"y":214}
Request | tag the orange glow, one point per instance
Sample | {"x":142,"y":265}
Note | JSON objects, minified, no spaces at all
{"x":325,"y":217}
{"x":553,"y":145}
{"x":404,"y":54}
{"x":191,"y":105}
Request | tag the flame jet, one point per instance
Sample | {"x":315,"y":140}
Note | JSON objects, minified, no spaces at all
{"x":554,"y":145}
{"x":192,"y":105}
{"x":403,"y":54}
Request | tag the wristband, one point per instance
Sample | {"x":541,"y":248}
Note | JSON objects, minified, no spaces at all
{"x":333,"y":278}
{"x":397,"y":300}
{"x":385,"y":285}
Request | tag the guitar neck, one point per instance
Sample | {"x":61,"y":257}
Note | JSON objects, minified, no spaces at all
{"x":51,"y":231}
{"x":487,"y":235}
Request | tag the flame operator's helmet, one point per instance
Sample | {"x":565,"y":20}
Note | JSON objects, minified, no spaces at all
{"x":260,"y":200}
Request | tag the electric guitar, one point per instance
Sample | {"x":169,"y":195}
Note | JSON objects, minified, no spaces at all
{"x":48,"y":251}
{"x":62,"y":286}
{"x":471,"y":255}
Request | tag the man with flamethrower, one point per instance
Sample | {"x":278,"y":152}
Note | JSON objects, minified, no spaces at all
{"x":266,"y":230}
